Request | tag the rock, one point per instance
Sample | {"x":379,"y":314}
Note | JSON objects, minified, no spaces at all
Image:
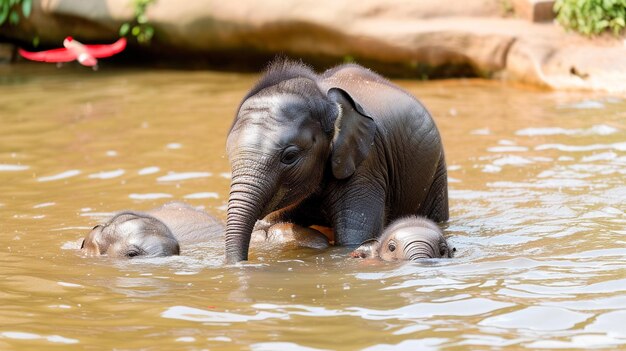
{"x":534,"y":10}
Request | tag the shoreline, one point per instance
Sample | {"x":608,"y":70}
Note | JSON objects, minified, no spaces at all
{"x":398,"y":39}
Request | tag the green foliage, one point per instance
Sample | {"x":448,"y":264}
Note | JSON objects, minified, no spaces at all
{"x":591,"y":17}
{"x":10,"y":9}
{"x":139,"y":27}
{"x":507,"y":7}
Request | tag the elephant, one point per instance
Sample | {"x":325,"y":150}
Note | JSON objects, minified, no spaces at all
{"x":161,"y":231}
{"x":345,"y":149}
{"x":407,"y":239}
{"x":154,"y":233}
{"x":292,"y":234}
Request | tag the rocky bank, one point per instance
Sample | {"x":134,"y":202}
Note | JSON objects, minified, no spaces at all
{"x":398,"y":37}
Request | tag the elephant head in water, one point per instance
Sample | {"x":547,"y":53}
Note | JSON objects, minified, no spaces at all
{"x":156,"y":232}
{"x":346,"y":149}
{"x":131,"y":234}
{"x":406,"y":239}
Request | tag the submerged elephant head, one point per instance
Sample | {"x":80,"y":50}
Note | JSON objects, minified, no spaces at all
{"x":406,"y":239}
{"x":129,"y":235}
{"x":285,"y":132}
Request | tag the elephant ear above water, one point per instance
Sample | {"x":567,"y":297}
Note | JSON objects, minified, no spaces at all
{"x":354,"y":134}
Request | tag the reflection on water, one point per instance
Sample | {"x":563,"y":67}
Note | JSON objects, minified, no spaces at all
{"x":537,"y":216}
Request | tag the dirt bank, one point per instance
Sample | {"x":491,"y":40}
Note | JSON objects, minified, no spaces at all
{"x":402,"y":38}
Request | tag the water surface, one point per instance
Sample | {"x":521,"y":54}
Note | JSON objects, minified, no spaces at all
{"x":537,"y":217}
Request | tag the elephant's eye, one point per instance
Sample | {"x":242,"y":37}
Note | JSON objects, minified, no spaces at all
{"x":391,"y":246}
{"x":290,"y":155}
{"x":134,"y":252}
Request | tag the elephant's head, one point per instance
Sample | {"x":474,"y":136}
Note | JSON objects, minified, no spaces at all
{"x":285,"y":132}
{"x":407,"y":239}
{"x":129,"y":235}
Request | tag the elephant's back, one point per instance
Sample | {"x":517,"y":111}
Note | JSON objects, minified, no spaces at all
{"x":378,"y":96}
{"x":408,"y":139}
{"x":188,"y":224}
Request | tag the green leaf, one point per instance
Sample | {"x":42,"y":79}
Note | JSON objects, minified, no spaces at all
{"x":149,"y":32}
{"x":124,"y":28}
{"x":4,"y":12}
{"x":136,"y":30}
{"x":14,"y":18}
{"x":600,"y":25}
{"x":27,"y":6}
{"x":36,"y":41}
{"x":590,"y":17}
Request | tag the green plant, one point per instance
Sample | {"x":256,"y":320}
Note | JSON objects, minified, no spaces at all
{"x":591,"y":17}
{"x":10,"y":9}
{"x":507,"y":7}
{"x":139,"y":27}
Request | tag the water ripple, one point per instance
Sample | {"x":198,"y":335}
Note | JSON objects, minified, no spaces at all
{"x":30,"y":336}
{"x":537,"y":318}
{"x":596,"y":288}
{"x":148,"y":170}
{"x":426,"y":344}
{"x":198,"y":315}
{"x":107,"y":174}
{"x":281,"y":346}
{"x":584,"y":105}
{"x":607,"y":303}
{"x":59,"y":176}
{"x":203,"y":195}
{"x":601,"y":129}
{"x":174,"y":176}
{"x":149,"y":196}
{"x":581,"y":148}
{"x":12,"y":168}
{"x":467,"y":307}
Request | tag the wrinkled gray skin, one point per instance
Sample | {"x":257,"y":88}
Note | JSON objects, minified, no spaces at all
{"x":346,"y":149}
{"x":154,"y":233}
{"x":407,"y":239}
{"x":290,"y":234}
{"x":161,"y":231}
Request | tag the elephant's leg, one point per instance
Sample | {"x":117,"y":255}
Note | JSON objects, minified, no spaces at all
{"x":305,"y":214}
{"x":436,"y":203}
{"x":358,"y":213}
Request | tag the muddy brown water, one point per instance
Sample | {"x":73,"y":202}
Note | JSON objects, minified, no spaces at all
{"x":537,"y":194}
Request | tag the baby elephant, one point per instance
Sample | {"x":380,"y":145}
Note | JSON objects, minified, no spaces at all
{"x":406,"y":239}
{"x":161,"y":231}
{"x":154,"y":233}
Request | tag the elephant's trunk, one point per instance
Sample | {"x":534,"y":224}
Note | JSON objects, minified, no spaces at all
{"x":249,"y":195}
{"x":418,"y":250}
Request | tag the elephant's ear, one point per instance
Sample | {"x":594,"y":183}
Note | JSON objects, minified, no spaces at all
{"x":444,"y":249}
{"x":354,"y":134}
